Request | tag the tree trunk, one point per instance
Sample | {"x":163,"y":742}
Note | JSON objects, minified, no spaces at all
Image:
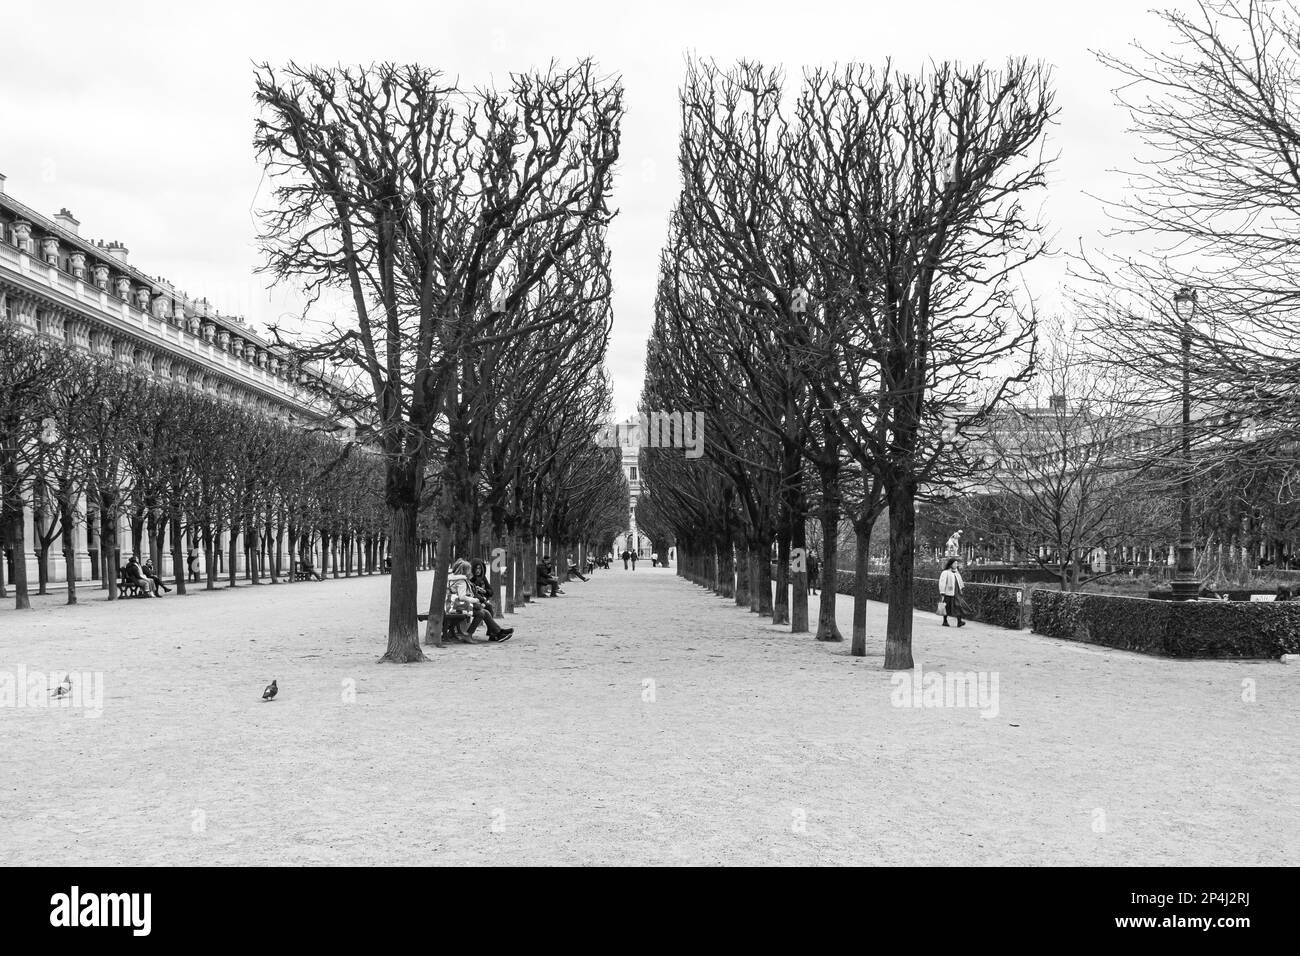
{"x":497,"y":579}
{"x":523,"y":589}
{"x":726,"y":571}
{"x":18,"y":543}
{"x":902,"y":542}
{"x":179,"y":568}
{"x":438,"y":596}
{"x":763,"y":561}
{"x":273,"y":560}
{"x":69,"y":551}
{"x":43,"y":541}
{"x":279,"y":550}
{"x":511,"y":576}
{"x":151,"y":528}
{"x":861,"y":567}
{"x":109,"y":563}
{"x":742,"y":576}
{"x":92,"y":543}
{"x":530,"y":568}
{"x":233,"y":553}
{"x":403,"y":585}
{"x":136,"y":523}
{"x":827,"y":628}
{"x":293,"y":552}
{"x":209,"y":559}
{"x":799,"y":579}
{"x":42,"y":565}
{"x":781,"y":609}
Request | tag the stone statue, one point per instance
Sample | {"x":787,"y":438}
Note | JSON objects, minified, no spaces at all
{"x":954,"y":544}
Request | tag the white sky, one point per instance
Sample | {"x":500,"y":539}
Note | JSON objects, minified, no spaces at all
{"x":139,"y":117}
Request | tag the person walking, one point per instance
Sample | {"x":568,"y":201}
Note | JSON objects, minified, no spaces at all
{"x":813,"y":570}
{"x":950,"y":585}
{"x":626,"y":554}
{"x":633,"y":560}
{"x":193,"y":563}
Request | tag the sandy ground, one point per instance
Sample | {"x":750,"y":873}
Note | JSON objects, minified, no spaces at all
{"x":637,"y":719}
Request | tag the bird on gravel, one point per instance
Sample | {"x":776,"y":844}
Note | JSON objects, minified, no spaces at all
{"x":271,"y":691}
{"x":65,"y":688}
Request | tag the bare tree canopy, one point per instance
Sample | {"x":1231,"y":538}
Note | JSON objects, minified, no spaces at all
{"x":1215,"y":200}
{"x":438,"y":213}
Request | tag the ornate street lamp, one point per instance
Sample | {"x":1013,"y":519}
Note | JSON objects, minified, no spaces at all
{"x":1185,"y":585}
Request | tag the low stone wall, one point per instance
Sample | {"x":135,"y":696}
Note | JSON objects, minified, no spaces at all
{"x":1214,"y":629}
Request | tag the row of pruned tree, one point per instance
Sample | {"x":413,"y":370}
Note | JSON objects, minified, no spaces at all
{"x":86,"y":442}
{"x":836,"y":295}
{"x":461,"y":235}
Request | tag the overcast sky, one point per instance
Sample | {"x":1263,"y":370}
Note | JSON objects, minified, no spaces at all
{"x":138,"y":117}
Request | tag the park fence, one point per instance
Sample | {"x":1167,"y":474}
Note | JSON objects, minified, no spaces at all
{"x":1204,"y":629}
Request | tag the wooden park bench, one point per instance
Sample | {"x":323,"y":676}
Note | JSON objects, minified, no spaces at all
{"x":455,"y":622}
{"x":128,"y":588}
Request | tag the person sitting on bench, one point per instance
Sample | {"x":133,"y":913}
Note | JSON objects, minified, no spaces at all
{"x":575,"y":571}
{"x":308,"y":569}
{"x":546,"y":579}
{"x":153,"y":576}
{"x":134,"y":574}
{"x":485,"y":612}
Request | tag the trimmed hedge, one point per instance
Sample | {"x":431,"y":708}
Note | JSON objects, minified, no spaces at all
{"x":999,"y":604}
{"x":1220,"y":629}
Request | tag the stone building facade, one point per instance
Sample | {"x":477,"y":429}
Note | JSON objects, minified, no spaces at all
{"x":86,"y":293}
{"x":632,"y":538}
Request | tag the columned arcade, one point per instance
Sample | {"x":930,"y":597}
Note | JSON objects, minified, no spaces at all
{"x":86,"y":294}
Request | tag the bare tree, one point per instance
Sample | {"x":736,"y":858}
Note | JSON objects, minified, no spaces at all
{"x":28,"y":367}
{"x":1214,"y":200}
{"x":914,"y":193}
{"x":412,"y":198}
{"x":1067,"y":474}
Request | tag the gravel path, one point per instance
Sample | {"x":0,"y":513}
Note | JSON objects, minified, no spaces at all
{"x":637,"y":719}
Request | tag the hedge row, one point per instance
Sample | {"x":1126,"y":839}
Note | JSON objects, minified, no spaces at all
{"x":1173,"y":628}
{"x":998,"y":604}
{"x":1217,"y":629}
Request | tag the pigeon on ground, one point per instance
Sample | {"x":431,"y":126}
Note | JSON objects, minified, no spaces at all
{"x":270,"y":692}
{"x":65,"y":688}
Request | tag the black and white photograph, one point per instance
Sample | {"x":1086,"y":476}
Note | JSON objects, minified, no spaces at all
{"x":693,"y":434}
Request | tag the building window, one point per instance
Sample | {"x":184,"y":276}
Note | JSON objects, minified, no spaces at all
{"x":632,"y":472}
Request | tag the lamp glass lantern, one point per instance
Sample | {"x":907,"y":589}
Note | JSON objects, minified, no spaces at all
{"x":1185,"y":301}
